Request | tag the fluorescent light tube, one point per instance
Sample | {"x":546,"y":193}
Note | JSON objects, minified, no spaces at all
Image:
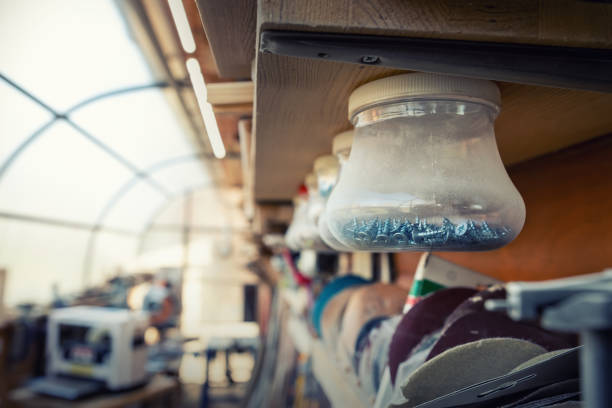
{"x":182,"y":25}
{"x":210,"y":122}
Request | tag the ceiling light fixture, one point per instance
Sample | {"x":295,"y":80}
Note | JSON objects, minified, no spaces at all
{"x":182,"y":25}
{"x":210,"y":122}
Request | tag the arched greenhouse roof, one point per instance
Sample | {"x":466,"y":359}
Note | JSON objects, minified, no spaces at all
{"x":91,"y":149}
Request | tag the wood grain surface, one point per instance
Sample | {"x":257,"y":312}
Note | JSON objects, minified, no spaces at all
{"x":230,"y":93}
{"x":568,"y":229}
{"x":302,"y":103}
{"x":551,"y":22}
{"x":230,"y":28}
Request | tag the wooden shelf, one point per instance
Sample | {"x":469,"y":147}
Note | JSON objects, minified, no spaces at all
{"x":301,"y":104}
{"x":230,"y":28}
{"x":230,"y":93}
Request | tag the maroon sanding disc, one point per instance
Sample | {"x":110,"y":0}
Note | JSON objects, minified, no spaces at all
{"x":476,"y":303}
{"x":485,"y":325}
{"x":470,"y":321}
{"x":424,"y":318}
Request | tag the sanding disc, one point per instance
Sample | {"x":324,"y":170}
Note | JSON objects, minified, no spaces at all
{"x":484,"y":325}
{"x":466,"y":365}
{"x":424,"y":318}
{"x":367,"y":302}
{"x":328,"y":292}
{"x":331,"y":319}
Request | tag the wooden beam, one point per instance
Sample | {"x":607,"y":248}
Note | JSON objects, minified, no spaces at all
{"x":301,"y":103}
{"x":573,"y":23}
{"x":246,"y":161}
{"x":230,"y":28}
{"x":239,"y":110}
{"x":230,"y":93}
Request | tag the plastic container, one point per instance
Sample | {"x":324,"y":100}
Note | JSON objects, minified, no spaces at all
{"x":316,"y":203}
{"x":424,"y":171}
{"x":341,"y":148}
{"x":326,"y":170}
{"x":303,"y":232}
{"x":300,"y":208}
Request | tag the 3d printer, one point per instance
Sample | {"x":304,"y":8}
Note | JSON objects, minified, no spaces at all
{"x":104,"y":346}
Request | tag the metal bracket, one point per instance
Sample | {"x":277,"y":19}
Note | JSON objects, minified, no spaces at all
{"x":562,"y":67}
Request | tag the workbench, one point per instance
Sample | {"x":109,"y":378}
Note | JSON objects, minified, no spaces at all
{"x":161,"y":391}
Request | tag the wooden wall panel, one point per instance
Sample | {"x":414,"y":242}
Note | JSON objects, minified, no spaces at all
{"x":568,"y":230}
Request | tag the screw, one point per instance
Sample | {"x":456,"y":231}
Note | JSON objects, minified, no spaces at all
{"x":370,"y":59}
{"x":398,"y":236}
{"x":486,"y":232}
{"x":350,"y":230}
{"x":367,"y":232}
{"x":464,"y":229}
{"x":382,"y":236}
{"x":398,"y":233}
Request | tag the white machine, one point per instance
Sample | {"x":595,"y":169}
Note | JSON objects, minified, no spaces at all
{"x":97,"y":343}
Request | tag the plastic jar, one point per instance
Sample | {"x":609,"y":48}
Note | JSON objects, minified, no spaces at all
{"x":424,"y":171}
{"x":341,"y":148}
{"x":303,"y":232}
{"x":316,"y":202}
{"x":326,"y":170}
{"x":299,"y":214}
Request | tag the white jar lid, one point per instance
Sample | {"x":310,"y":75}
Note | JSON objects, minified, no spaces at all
{"x":425,"y":85}
{"x":326,"y":161}
{"x":342,"y":141}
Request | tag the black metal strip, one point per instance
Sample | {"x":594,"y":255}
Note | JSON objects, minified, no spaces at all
{"x":57,"y":222}
{"x":563,"y":67}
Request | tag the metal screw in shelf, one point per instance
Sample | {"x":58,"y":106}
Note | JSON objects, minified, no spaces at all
{"x":370,"y":59}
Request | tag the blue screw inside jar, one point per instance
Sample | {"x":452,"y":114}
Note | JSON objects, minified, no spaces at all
{"x":396,"y":233}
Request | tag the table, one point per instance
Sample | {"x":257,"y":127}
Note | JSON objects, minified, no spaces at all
{"x":161,"y":391}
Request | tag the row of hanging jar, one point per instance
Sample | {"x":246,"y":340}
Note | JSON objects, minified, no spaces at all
{"x":420,"y":171}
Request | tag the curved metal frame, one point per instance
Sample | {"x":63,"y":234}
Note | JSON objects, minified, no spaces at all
{"x":138,"y":174}
{"x":121,"y":192}
{"x":65,"y":116}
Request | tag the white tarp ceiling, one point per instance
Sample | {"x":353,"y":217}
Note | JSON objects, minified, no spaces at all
{"x":79,"y":180}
